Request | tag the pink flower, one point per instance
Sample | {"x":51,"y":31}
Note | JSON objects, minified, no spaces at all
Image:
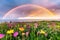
{"x":46,"y":34}
{"x":27,"y":33}
{"x":1,"y":36}
{"x":53,"y":24}
{"x":49,"y":25}
{"x":38,"y":32}
{"x":35,"y":25}
{"x":28,"y":26}
{"x":9,"y":25}
{"x":15,"y":34}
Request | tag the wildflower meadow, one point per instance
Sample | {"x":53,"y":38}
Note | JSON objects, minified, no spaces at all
{"x":42,"y":30}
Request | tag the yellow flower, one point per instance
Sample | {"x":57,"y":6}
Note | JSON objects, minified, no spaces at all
{"x":42,"y":32}
{"x":21,"y":29}
{"x":23,"y":33}
{"x":10,"y":31}
{"x":58,"y":26}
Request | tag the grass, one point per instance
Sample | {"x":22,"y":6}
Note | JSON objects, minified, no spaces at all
{"x":42,"y":30}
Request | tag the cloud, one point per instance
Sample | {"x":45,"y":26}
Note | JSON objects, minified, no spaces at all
{"x":46,"y":3}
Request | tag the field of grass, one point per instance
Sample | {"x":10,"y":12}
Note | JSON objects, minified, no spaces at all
{"x":42,"y":30}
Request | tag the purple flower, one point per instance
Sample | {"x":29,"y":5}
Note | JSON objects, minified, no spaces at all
{"x":1,"y":36}
{"x":15,"y":34}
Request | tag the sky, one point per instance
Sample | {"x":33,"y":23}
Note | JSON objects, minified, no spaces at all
{"x":6,"y":5}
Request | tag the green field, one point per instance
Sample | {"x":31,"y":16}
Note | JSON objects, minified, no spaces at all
{"x":42,"y":30}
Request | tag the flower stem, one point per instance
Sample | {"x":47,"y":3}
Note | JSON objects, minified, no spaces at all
{"x":6,"y":37}
{"x":10,"y":37}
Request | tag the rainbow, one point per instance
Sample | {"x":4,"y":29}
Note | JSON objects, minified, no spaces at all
{"x":9,"y":12}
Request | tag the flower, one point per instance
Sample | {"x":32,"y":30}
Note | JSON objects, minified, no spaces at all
{"x":10,"y":31}
{"x":15,"y":34}
{"x":58,"y":26}
{"x":53,"y":24}
{"x":9,"y":25}
{"x":46,"y":34}
{"x":38,"y":33}
{"x":49,"y":25}
{"x":27,"y":33}
{"x":35,"y":25}
{"x":1,"y":36}
{"x":28,"y":26}
{"x":42,"y":32}
{"x":23,"y":33}
{"x":21,"y":29}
